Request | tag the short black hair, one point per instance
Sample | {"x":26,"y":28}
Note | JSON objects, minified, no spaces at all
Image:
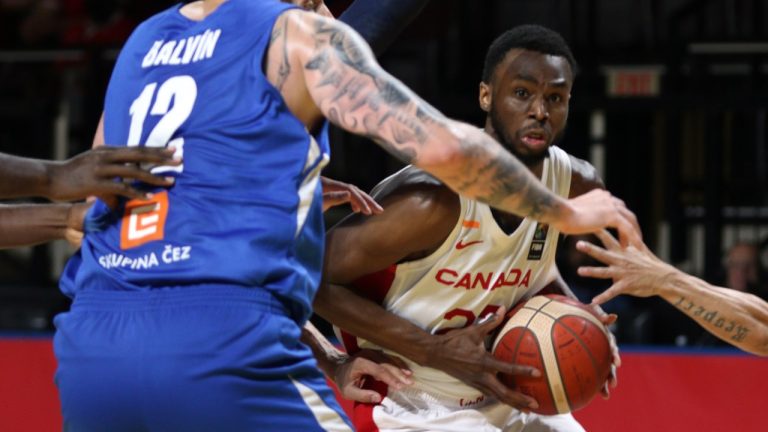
{"x":529,"y":37}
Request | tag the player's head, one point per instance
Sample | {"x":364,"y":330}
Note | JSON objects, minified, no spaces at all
{"x":317,"y":6}
{"x":525,"y":89}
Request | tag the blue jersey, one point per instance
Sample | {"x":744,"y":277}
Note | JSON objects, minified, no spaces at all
{"x":246,"y":207}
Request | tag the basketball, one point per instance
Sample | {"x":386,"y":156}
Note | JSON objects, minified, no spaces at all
{"x":565,"y":340}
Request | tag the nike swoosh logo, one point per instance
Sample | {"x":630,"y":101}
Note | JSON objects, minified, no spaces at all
{"x":460,"y":245}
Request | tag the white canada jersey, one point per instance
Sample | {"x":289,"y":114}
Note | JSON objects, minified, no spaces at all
{"x":477,"y":269}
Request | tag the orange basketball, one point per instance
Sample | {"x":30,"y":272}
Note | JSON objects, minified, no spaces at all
{"x":564,"y":340}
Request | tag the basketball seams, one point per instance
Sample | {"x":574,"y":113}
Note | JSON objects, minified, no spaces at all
{"x":551,"y":370}
{"x":588,"y":351}
{"x":541,"y":316}
{"x":557,"y":362}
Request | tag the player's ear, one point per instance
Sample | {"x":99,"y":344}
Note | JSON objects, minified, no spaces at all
{"x":484,"y":97}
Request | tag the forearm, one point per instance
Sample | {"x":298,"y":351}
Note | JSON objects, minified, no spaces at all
{"x":738,"y":318}
{"x":379,"y":22}
{"x":327,"y":356}
{"x":482,"y":170}
{"x":23,"y":177}
{"x":366,"y":319}
{"x":29,"y":224}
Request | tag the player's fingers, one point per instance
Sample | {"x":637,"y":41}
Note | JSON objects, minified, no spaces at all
{"x":122,"y":189}
{"x":511,"y":397}
{"x":135,"y":173}
{"x":605,"y":391}
{"x":631,"y":218}
{"x":494,"y":365}
{"x":159,"y":156}
{"x":628,"y":233}
{"x":596,"y":272}
{"x":351,"y":392}
{"x":372,"y":204}
{"x":487,"y":323}
{"x":596,"y":252}
{"x":608,"y":240}
{"x":608,"y":294}
{"x":332,"y":199}
{"x":615,"y":353}
{"x":609,"y":319}
{"x":391,"y":375}
{"x":357,"y":199}
{"x":74,"y":237}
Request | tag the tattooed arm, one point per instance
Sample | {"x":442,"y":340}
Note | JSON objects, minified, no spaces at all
{"x":738,"y":318}
{"x":316,"y":60}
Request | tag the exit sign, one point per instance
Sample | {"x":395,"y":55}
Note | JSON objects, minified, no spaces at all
{"x":633,"y":81}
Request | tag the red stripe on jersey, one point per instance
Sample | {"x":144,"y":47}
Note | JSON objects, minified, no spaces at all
{"x":375,"y":286}
{"x":350,"y":342}
{"x":362,"y":416}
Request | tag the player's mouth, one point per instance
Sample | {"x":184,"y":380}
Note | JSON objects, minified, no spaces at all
{"x":535,"y":139}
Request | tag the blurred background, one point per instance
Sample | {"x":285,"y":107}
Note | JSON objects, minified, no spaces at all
{"x":670,"y":104}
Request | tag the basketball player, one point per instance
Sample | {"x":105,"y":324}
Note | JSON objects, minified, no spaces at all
{"x":736,"y":317}
{"x":187,"y":307}
{"x":440,"y":261}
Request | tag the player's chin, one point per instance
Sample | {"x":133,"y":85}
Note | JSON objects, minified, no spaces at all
{"x":530,"y":155}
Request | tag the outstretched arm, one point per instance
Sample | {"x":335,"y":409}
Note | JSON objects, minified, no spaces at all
{"x":336,"y":69}
{"x":738,"y":318}
{"x":31,"y":224}
{"x":89,"y":173}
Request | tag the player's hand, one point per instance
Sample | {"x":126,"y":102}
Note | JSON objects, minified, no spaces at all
{"x":94,"y":172}
{"x":75,"y":218}
{"x":598,"y":209}
{"x":350,"y":375}
{"x":337,"y":193}
{"x":462,"y":354}
{"x":607,"y":320}
{"x":634,"y":269}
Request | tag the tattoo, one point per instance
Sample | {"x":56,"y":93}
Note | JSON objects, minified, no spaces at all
{"x":736,"y":331}
{"x":357,"y":95}
{"x":362,"y":97}
{"x":507,"y":180}
{"x":280,"y":35}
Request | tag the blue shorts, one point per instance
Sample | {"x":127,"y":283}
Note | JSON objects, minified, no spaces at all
{"x":188,"y":359}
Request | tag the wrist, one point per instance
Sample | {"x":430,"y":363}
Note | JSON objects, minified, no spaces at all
{"x":672,"y":284}
{"x":49,"y":185}
{"x":333,"y":366}
{"x":561,"y":213}
{"x":428,"y":350}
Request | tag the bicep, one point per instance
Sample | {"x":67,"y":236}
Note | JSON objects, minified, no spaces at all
{"x":414,"y":221}
{"x":343,"y":79}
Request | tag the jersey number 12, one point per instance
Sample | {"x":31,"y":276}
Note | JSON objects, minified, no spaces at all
{"x":182,"y":91}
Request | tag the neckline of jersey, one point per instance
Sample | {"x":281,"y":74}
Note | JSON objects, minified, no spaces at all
{"x":193,"y":21}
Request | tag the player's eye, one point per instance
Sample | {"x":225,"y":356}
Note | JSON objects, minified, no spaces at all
{"x":521,"y":93}
{"x":556,"y":98}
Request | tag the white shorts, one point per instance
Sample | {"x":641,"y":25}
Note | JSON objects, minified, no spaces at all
{"x":413,"y":409}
